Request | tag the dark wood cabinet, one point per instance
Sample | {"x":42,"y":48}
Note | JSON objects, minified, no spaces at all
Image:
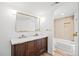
{"x":44,"y":44}
{"x":38,"y":46}
{"x":30,"y":48}
{"x":26,"y":49}
{"x":19,"y":49}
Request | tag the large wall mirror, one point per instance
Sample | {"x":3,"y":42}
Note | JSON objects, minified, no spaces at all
{"x":26,"y":23}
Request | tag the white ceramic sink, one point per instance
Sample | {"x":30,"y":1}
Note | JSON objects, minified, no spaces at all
{"x":22,"y":40}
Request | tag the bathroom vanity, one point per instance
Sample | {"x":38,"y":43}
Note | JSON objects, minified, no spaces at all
{"x":28,"y":46}
{"x":32,"y":46}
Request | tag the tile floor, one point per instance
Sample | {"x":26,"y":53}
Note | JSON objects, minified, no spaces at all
{"x":46,"y":54}
{"x":56,"y":53}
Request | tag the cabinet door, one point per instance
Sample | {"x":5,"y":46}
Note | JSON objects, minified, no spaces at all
{"x":44,"y":44}
{"x":19,"y":49}
{"x":38,"y":45}
{"x":31,"y":48}
{"x":26,"y":49}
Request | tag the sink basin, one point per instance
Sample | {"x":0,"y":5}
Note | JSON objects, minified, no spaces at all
{"x":21,"y":37}
{"x":36,"y":35}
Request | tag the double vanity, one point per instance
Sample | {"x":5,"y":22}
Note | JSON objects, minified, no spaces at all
{"x":30,"y":46}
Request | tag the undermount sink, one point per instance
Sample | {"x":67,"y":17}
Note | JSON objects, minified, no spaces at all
{"x":36,"y":35}
{"x":22,"y":37}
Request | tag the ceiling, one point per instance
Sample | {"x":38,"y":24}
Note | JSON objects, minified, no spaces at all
{"x":33,"y":7}
{"x":41,"y":8}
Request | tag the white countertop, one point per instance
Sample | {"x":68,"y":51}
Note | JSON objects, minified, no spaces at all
{"x":22,"y":40}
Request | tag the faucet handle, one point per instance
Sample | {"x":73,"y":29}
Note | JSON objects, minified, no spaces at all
{"x":22,"y":35}
{"x":36,"y":34}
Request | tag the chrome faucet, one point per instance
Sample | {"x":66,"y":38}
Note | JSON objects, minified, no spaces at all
{"x":22,"y":36}
{"x":36,"y":34}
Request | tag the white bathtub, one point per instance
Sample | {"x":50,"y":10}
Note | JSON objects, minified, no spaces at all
{"x":65,"y":45}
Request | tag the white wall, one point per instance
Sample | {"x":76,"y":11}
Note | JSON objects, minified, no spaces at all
{"x":7,"y":23}
{"x":6,"y":30}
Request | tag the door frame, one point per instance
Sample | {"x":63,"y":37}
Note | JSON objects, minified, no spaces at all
{"x":76,"y":14}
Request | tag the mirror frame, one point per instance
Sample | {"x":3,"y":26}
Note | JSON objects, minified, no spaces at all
{"x":30,"y":16}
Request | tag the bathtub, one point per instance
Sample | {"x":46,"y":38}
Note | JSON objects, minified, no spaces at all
{"x":65,"y":45}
